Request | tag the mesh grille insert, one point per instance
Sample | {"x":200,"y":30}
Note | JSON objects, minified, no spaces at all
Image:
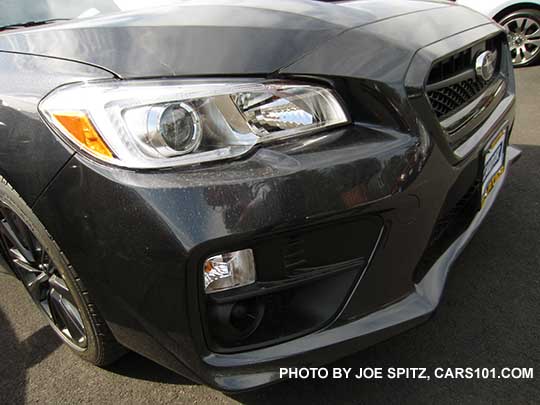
{"x":449,"y":99}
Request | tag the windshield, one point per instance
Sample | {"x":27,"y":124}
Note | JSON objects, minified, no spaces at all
{"x":24,"y":11}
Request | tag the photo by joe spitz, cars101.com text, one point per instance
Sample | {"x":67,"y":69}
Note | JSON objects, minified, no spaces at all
{"x":246,"y":191}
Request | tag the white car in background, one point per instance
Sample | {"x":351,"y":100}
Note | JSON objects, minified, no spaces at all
{"x":521,"y":18}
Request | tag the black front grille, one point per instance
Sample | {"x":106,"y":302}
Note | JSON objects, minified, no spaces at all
{"x":451,"y":98}
{"x":452,"y":82}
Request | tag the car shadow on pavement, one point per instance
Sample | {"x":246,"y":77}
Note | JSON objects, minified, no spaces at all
{"x":135,"y":366}
{"x":17,"y":357}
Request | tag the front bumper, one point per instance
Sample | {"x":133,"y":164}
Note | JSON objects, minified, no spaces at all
{"x":127,"y":235}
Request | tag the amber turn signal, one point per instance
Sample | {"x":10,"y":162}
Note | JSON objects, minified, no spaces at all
{"x":78,"y":126}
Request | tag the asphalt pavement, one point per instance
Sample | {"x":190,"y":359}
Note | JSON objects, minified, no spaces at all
{"x":489,"y":317}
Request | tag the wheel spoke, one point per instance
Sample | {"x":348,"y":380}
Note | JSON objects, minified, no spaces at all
{"x":22,"y":264}
{"x":535,"y":42}
{"x":7,"y":230}
{"x":47,"y":269}
{"x":520,"y":22}
{"x":534,"y":34}
{"x":66,"y":316}
{"x":57,"y":284}
{"x":518,"y":58}
{"x":35,"y":286}
{"x":527,"y":24}
{"x":527,"y":54}
{"x":45,"y":263}
{"x":42,"y":256}
{"x":24,"y":234}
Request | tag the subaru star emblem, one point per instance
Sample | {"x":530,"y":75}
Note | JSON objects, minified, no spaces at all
{"x":485,"y":65}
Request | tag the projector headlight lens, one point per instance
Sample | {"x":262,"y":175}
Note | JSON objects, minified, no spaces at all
{"x":174,"y":129}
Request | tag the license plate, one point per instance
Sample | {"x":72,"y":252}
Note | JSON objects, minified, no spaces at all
{"x":494,"y":163}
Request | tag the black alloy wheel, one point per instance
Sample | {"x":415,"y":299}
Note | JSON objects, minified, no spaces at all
{"x":41,"y":277}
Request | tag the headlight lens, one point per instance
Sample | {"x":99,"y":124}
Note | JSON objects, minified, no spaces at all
{"x":173,"y":129}
{"x":162,"y":123}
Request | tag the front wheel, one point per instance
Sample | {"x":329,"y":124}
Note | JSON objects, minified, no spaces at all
{"x":51,"y":281}
{"x":523,"y":36}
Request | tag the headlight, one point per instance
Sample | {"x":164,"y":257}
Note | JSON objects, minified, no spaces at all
{"x":161,"y":123}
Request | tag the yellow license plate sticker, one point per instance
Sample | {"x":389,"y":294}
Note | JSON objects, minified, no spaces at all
{"x":494,"y":163}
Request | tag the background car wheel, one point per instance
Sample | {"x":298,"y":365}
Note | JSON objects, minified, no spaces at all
{"x":51,"y":281}
{"x":524,"y":36}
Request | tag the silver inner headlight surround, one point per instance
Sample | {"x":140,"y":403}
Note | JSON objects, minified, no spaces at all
{"x":164,"y":123}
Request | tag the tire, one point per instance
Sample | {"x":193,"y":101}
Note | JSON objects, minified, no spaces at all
{"x":524,"y":27}
{"x":57,"y":291}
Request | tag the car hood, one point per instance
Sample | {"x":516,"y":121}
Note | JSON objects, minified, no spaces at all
{"x":205,"y":37}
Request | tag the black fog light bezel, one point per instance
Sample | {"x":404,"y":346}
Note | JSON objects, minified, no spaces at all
{"x":341,"y":278}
